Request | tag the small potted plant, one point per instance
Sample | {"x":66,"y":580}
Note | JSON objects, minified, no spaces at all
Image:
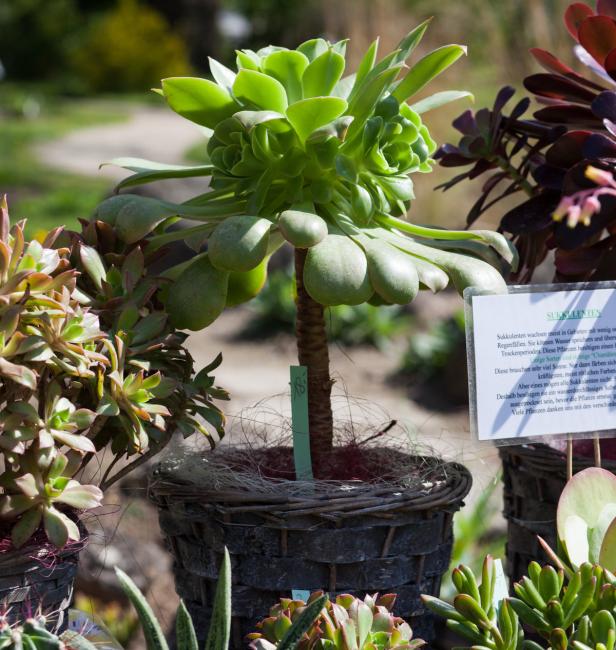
{"x":561,"y":162}
{"x":301,"y":155}
{"x":88,"y":363}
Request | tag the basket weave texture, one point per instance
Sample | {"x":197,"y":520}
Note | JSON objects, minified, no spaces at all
{"x":34,"y":579}
{"x":534,"y":476}
{"x":365,"y":539}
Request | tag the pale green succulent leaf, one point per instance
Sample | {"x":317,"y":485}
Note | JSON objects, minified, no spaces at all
{"x":199,"y":100}
{"x":426,"y":69}
{"x":287,"y":66}
{"x":322,"y":74}
{"x":308,"y":115}
{"x":440,"y":99}
{"x":223,"y":76}
{"x":258,"y":90}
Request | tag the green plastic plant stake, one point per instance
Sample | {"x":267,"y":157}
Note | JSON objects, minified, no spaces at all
{"x":299,"y":417}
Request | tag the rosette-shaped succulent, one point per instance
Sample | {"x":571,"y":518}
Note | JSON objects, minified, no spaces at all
{"x":300,"y":152}
{"x":346,"y":624}
{"x":88,"y":362}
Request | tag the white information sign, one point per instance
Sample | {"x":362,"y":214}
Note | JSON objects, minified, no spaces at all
{"x":542,"y":361}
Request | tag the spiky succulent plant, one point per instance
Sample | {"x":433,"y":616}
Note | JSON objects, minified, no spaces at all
{"x":78,"y":376}
{"x":34,"y":633}
{"x":575,"y":610}
{"x":301,"y":152}
{"x":346,"y":624}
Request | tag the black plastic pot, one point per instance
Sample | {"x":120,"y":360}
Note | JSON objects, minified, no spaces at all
{"x":364,"y":539}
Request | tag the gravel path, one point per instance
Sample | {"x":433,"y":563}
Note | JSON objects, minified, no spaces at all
{"x":150,"y":132}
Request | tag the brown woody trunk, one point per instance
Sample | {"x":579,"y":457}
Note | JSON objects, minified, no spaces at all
{"x":312,"y":352}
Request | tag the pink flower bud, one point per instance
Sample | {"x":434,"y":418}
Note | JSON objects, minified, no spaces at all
{"x":599,"y":176}
{"x":573,"y":216}
{"x":562,"y":208}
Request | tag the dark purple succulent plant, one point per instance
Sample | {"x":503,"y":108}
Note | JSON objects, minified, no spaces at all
{"x":547,"y":156}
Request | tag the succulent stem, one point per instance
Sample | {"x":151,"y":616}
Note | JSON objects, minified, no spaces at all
{"x":313,"y":353}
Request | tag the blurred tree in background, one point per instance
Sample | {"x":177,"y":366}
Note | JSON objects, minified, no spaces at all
{"x":36,"y":37}
{"x":129,"y":48}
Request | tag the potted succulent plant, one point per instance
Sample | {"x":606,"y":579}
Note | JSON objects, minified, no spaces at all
{"x":560,"y":161}
{"x":302,"y":155}
{"x":88,"y":363}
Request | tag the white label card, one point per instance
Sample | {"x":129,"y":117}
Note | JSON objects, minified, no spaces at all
{"x":544,"y":363}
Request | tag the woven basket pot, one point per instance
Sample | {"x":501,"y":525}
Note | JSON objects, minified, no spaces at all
{"x":35,"y":578}
{"x":365,"y":539}
{"x":534,"y":476}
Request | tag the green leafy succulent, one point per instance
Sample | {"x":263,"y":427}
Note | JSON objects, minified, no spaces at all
{"x":86,"y":364}
{"x":301,"y":153}
{"x":346,"y":624}
{"x":566,"y":611}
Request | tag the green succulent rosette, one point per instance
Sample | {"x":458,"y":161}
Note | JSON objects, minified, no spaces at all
{"x":300,"y":152}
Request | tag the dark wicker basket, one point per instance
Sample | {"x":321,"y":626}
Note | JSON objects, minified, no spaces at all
{"x":534,"y":476}
{"x":375,"y":538}
{"x":34,"y":579}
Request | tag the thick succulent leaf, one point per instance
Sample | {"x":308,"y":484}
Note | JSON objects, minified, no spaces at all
{"x":556,"y":87}
{"x":27,"y":484}
{"x":154,"y":636}
{"x":19,"y":374}
{"x":81,"y":497}
{"x":223,"y":76}
{"x":313,"y":48}
{"x":392,"y":273}
{"x":408,"y":44}
{"x":287,"y":66}
{"x":189,"y":304}
{"x":426,"y":69}
{"x":575,"y":14}
{"x":302,"y":229}
{"x":239,"y":243}
{"x":336,"y":272}
{"x":440,"y":99}
{"x":366,"y":64}
{"x":464,"y":271}
{"x":136,"y":216}
{"x":553,"y":64}
{"x":75,"y":441}
{"x":580,"y":116}
{"x":163,"y":173}
{"x":93,"y":265}
{"x":584,"y":497}
{"x":257,"y":90}
{"x":185,"y":635}
{"x":322,"y":74}
{"x":302,"y":624}
{"x":199,"y":100}
{"x":362,"y":105}
{"x":597,"y":35}
{"x":308,"y":115}
{"x":26,"y":527}
{"x":58,"y":527}
{"x":220,"y":622}
{"x":607,"y":553}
